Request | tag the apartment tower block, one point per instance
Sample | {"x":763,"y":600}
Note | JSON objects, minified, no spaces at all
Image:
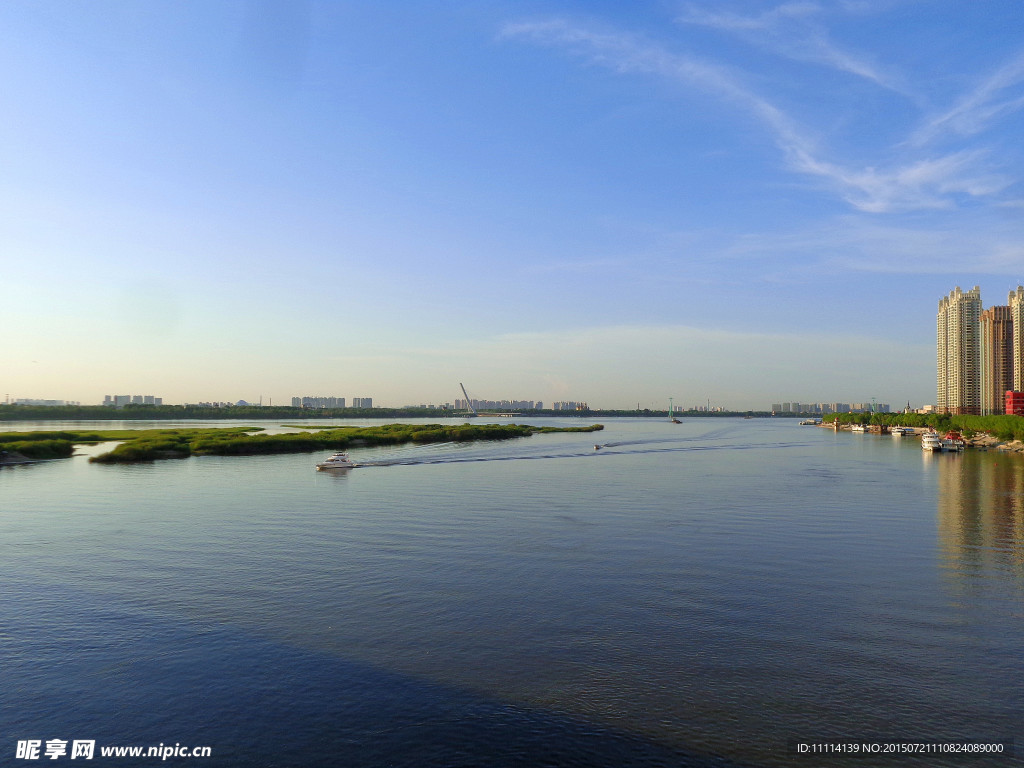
{"x":996,"y":359}
{"x":958,"y":352}
{"x":1016,"y":302}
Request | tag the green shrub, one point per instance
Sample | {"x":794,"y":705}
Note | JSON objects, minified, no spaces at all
{"x":40,"y":449}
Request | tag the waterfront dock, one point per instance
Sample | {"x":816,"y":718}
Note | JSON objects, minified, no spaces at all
{"x":980,"y":440}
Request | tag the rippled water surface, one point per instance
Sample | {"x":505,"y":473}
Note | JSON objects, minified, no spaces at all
{"x":693,"y":594}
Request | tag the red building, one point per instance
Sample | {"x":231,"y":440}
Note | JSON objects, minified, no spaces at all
{"x":1014,"y":403}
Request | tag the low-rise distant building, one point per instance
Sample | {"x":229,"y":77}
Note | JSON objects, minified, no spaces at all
{"x":36,"y":401}
{"x":1014,"y":402}
{"x":822,"y":408}
{"x":318,"y":402}
{"x":498,"y":405}
{"x":120,"y":401}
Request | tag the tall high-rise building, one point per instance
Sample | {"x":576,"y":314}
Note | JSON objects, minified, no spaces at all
{"x":958,"y":360}
{"x":1016,"y":302}
{"x":996,"y":359}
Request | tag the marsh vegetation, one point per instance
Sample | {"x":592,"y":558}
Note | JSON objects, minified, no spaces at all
{"x":155,"y":444}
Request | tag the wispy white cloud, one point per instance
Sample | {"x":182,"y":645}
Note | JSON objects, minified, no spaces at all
{"x":979,"y":108}
{"x":927,"y":183}
{"x":922,"y":184}
{"x":792,"y":30}
{"x":627,"y":53}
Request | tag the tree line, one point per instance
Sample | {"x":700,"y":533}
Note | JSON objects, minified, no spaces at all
{"x":1001,"y":427}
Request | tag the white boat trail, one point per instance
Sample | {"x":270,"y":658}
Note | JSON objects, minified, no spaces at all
{"x":611,"y":449}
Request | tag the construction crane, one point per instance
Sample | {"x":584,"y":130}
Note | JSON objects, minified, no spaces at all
{"x":469,"y":403}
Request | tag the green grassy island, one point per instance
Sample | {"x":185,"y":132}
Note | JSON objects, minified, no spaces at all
{"x":155,"y":444}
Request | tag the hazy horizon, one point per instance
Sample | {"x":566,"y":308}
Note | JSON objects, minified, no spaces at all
{"x":547,"y":200}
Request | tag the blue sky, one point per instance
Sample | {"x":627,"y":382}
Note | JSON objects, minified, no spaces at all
{"x":745,"y":202}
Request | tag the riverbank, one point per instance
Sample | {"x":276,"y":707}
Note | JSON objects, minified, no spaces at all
{"x":13,"y":458}
{"x":979,"y":440}
{"x":985,"y":441}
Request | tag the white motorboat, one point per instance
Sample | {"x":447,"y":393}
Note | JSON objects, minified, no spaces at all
{"x":858,"y":428}
{"x":931,"y":442}
{"x":339,"y":460}
{"x":953,"y":441}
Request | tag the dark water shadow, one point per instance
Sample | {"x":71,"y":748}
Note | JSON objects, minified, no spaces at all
{"x":74,"y":667}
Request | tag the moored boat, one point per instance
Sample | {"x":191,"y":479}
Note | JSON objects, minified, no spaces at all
{"x":931,"y":442}
{"x":953,"y":441}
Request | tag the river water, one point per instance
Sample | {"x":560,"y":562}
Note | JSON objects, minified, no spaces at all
{"x":709,"y":593}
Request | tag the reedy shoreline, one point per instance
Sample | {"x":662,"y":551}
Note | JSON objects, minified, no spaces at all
{"x":158,"y":444}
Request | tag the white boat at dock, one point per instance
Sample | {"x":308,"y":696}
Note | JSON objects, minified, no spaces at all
{"x":858,"y":428}
{"x":931,"y":442}
{"x":339,"y":460}
{"x":953,"y":441}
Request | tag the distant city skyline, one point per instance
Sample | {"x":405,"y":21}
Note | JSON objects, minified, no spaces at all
{"x":622,"y":203}
{"x":830,"y":407}
{"x":459,"y":404}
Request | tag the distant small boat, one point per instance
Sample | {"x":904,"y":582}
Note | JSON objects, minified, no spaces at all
{"x":900,"y":431}
{"x":858,"y":428}
{"x":339,"y":460}
{"x":804,"y":423}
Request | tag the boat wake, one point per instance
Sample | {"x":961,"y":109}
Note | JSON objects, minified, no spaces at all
{"x":713,"y":435}
{"x":609,"y":449}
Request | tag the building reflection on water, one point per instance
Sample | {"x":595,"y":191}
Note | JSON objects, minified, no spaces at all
{"x":981,"y":513}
